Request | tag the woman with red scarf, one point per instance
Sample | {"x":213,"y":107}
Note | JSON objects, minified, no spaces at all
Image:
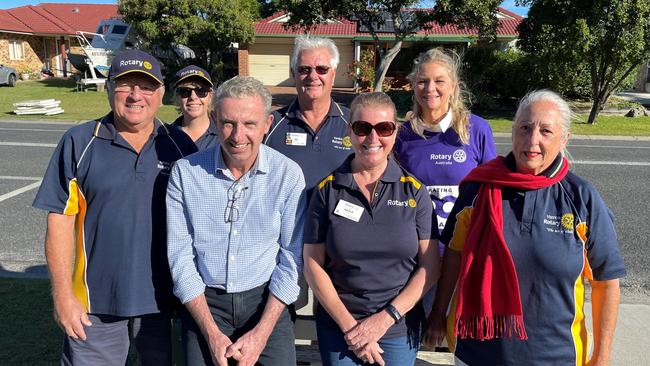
{"x":525,"y":235}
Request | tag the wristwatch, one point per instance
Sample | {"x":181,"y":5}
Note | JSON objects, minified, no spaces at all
{"x":394,"y":313}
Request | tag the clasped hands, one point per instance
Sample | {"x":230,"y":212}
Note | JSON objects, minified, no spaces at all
{"x":363,"y":338}
{"x":246,"y":350}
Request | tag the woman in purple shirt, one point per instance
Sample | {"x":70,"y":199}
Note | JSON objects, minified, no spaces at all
{"x":441,"y":141}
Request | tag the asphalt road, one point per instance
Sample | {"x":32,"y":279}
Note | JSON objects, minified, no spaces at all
{"x":619,"y":168}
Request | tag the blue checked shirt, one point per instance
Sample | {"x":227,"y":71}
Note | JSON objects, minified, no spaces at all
{"x":235,"y":234}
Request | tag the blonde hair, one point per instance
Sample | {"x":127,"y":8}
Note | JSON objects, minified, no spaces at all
{"x":376,"y":99}
{"x":457,"y":100}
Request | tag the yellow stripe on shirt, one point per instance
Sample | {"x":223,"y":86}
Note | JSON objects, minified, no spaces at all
{"x":324,"y":181}
{"x":79,"y":284}
{"x":411,"y":180}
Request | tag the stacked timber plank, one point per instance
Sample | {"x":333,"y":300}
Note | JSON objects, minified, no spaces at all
{"x":47,"y":107}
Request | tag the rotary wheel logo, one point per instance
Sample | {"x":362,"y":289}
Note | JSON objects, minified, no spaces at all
{"x":460,"y":156}
{"x":199,"y":73}
{"x":567,"y":221}
{"x":412,"y":203}
{"x":346,"y":141}
{"x":147,"y":65}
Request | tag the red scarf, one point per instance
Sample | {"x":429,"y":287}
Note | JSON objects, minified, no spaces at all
{"x":489,"y":304}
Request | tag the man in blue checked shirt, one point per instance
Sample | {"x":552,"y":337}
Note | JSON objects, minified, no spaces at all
{"x":234,"y":217}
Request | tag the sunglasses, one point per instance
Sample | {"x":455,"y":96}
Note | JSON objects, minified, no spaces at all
{"x":186,"y":92}
{"x":320,"y":69}
{"x":383,"y":129}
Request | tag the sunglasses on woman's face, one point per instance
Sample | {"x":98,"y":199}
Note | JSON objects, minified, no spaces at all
{"x":383,"y":129}
{"x":185,"y":92}
{"x":320,"y":69}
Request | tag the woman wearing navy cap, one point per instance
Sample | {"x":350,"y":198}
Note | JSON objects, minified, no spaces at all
{"x":524,"y":237}
{"x":370,"y":248}
{"x":193,"y":96}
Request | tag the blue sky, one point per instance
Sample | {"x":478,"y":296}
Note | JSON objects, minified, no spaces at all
{"x":4,"y":4}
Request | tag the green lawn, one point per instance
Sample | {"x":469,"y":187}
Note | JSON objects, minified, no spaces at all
{"x":78,"y":106}
{"x":29,"y":334}
{"x":606,"y":125}
{"x":83,"y":106}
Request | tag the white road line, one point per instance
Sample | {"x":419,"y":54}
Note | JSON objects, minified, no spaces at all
{"x":31,"y":129}
{"x":595,"y":146}
{"x":28,"y":144}
{"x":601,"y":162}
{"x":13,"y":177}
{"x":7,"y":196}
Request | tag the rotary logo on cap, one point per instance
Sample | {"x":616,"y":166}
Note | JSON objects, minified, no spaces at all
{"x":192,"y":71}
{"x":147,"y":65}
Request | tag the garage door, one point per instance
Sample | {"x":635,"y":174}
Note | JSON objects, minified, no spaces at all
{"x":269,"y":63}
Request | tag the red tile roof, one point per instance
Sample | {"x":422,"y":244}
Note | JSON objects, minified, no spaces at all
{"x":348,"y":28}
{"x":56,"y":19}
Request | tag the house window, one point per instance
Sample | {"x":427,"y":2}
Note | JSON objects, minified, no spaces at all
{"x":16,"y":50}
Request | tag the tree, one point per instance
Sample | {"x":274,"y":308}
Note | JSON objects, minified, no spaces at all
{"x":607,"y":39}
{"x":208,"y":27}
{"x":397,"y":16}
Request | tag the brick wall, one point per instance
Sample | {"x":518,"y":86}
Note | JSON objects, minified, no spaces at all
{"x":32,"y":50}
{"x":242,"y":60}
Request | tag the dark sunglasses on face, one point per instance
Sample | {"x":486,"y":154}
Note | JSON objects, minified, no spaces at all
{"x":383,"y":129}
{"x":186,"y":92}
{"x":320,"y":69}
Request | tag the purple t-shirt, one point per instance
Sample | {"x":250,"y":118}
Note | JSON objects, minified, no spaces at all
{"x":441,"y":161}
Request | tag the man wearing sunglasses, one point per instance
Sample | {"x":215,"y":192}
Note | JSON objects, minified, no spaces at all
{"x":193,"y":96}
{"x":312,"y":130}
{"x":105,"y":190}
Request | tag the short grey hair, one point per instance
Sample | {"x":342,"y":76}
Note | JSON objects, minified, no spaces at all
{"x":241,"y":87}
{"x":305,"y":43}
{"x":566,"y":115}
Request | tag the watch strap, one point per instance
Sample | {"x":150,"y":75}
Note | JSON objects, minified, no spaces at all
{"x":394,"y":313}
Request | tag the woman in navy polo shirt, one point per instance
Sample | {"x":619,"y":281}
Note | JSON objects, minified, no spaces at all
{"x":524,"y":237}
{"x":193,"y":97}
{"x":370,"y":247}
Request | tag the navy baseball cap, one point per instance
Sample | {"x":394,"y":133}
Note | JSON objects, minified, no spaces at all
{"x":192,"y":71}
{"x":130,"y":61}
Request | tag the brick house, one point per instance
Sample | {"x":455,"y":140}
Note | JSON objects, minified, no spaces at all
{"x":34,"y":38}
{"x":267,"y":59}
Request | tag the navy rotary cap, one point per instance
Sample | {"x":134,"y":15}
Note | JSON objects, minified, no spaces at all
{"x":130,"y":61}
{"x":192,"y":71}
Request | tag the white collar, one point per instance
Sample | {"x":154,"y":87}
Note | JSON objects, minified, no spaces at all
{"x":441,"y":126}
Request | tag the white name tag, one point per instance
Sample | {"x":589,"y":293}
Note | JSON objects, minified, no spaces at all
{"x":296,"y":139}
{"x":348,"y":210}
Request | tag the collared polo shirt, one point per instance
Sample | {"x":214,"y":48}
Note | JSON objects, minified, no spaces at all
{"x":370,"y":257}
{"x":235,"y":234}
{"x":118,"y":197}
{"x":317,"y":152}
{"x":440,"y":160}
{"x":558,"y":237}
{"x":208,"y":139}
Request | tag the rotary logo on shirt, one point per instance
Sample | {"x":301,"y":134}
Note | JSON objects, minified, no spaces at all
{"x":559,"y":224}
{"x":342,"y":143}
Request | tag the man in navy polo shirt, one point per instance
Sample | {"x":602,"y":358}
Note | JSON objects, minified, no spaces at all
{"x":312,"y":130}
{"x":104,"y":190}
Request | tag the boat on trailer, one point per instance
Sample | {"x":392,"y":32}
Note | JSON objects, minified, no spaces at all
{"x":96,"y":54}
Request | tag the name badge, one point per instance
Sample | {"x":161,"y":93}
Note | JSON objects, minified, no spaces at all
{"x":348,"y":210}
{"x":296,"y":139}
